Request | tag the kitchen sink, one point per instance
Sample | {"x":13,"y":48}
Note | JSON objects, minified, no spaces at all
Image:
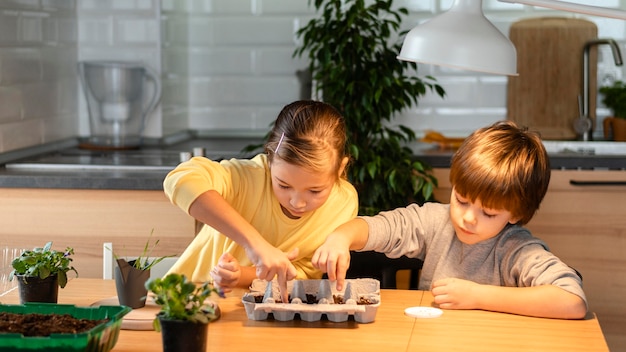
{"x":564,"y":155}
{"x":585,"y":148}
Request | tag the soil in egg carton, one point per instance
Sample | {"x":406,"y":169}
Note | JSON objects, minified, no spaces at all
{"x":312,"y":299}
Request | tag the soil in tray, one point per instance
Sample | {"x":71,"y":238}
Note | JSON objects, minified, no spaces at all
{"x":34,"y":324}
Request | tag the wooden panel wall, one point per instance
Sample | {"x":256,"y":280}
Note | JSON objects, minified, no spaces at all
{"x":85,"y":219}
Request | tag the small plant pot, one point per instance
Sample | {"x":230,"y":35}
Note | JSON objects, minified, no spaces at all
{"x":615,"y":129}
{"x":130,"y":284}
{"x":182,"y":336}
{"x":34,"y":289}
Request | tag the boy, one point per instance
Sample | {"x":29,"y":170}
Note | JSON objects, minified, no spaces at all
{"x":476,"y":253}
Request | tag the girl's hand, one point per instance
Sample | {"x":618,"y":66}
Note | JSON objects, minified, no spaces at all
{"x":451,"y":293}
{"x":271,"y":262}
{"x":227,"y":273}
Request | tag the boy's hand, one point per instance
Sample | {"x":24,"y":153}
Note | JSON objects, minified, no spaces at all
{"x":333,"y":258}
{"x":452,"y":293}
{"x":226,"y":273}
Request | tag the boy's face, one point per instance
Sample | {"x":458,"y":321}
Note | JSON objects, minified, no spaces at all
{"x":473,"y":223}
{"x":298,"y":190}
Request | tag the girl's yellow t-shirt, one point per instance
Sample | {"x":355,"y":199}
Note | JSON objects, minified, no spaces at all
{"x":246,"y":186}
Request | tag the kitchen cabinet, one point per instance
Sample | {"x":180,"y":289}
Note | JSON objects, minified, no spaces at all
{"x":585,"y":226}
{"x":85,"y":219}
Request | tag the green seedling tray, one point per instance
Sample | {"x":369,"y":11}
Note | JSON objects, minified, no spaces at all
{"x":101,"y":338}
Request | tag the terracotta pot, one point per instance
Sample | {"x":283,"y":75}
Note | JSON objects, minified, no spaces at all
{"x":130,"y":284}
{"x":34,"y":289}
{"x":182,"y":336}
{"x":615,"y":127}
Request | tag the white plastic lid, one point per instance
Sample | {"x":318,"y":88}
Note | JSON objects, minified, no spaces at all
{"x":423,"y":312}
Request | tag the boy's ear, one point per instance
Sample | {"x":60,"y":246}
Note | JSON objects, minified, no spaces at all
{"x":514,"y":220}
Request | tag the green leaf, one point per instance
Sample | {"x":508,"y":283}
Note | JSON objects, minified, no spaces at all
{"x":392,"y":180}
{"x":62,"y":277}
{"x":372,"y":169}
{"x":427,"y":190}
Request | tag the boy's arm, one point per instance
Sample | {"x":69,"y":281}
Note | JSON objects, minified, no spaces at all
{"x":546,"y":301}
{"x":333,"y":256}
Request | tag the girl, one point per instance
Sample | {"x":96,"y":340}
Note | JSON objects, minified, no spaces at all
{"x":264,"y":217}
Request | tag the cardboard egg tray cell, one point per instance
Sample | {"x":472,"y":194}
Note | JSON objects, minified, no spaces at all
{"x":313,"y":299}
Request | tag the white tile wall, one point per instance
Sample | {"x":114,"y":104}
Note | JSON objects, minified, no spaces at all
{"x":38,"y":89}
{"x":225,"y":64}
{"x":235,"y":57}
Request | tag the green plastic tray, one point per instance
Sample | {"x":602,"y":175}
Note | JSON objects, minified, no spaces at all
{"x":101,"y":338}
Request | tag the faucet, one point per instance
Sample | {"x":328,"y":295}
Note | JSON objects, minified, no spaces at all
{"x":617,"y":57}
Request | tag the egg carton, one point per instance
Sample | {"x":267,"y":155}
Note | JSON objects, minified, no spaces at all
{"x":313,"y":299}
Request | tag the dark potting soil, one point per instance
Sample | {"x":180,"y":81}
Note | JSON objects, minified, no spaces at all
{"x":35,"y":324}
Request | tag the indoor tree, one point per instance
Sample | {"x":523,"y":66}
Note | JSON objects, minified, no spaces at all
{"x":354,"y":68}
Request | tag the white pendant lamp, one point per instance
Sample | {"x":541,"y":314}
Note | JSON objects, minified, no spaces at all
{"x":571,"y":7}
{"x":461,"y":38}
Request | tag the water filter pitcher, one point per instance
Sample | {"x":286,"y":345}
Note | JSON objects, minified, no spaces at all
{"x":118,"y":103}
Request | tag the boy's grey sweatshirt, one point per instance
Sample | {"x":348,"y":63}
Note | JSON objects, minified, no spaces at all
{"x":513,"y":258}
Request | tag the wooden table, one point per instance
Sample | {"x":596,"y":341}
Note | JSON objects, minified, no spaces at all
{"x":392,"y":330}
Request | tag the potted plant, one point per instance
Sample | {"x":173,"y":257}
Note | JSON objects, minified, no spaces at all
{"x":131,"y":276}
{"x":354,"y":68}
{"x":40,"y":273}
{"x":185,"y":311}
{"x":615,"y":99}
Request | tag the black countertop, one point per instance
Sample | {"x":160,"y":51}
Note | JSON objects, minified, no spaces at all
{"x":85,"y":179}
{"x":439,"y":158}
{"x":117,"y":170}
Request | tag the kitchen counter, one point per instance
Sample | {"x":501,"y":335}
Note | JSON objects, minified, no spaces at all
{"x":558,"y":161}
{"x":564,"y":155}
{"x":85,"y":179}
{"x":64,"y":165}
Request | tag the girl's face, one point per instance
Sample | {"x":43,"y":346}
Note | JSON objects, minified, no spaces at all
{"x":299,"y":190}
{"x":473,"y":223}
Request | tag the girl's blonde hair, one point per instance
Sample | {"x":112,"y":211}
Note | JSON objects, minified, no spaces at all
{"x":503,"y":166}
{"x":310,"y":134}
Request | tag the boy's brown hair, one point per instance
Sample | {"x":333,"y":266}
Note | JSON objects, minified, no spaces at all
{"x":505,"y":167}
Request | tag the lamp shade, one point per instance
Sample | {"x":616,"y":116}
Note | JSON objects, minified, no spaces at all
{"x":461,"y":38}
{"x":571,"y":7}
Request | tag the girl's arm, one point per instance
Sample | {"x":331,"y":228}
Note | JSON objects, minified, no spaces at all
{"x":212,"y":209}
{"x":547,"y":301}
